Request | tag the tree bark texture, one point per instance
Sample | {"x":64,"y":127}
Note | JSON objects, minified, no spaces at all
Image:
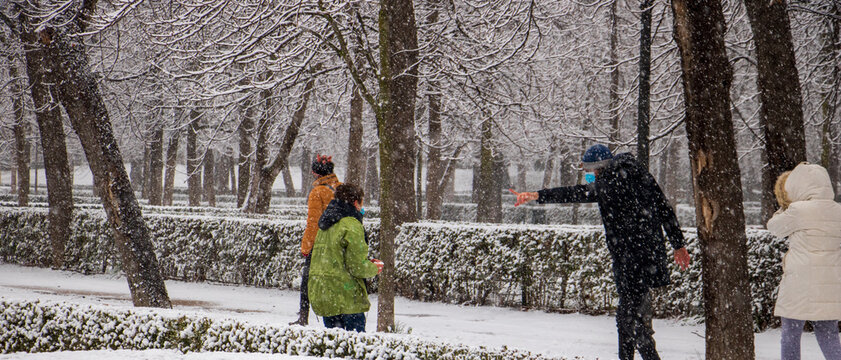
{"x":146,"y":173}
{"x":156,"y":166}
{"x":644,"y":101}
{"x":355,"y":154}
{"x":287,"y":181}
{"x":699,"y":32}
{"x":489,"y":204}
{"x":194,"y":189}
{"x":21,"y":131}
{"x":548,"y":171}
{"x":56,"y":166}
{"x":268,"y":174}
{"x":395,"y":126}
{"x":780,"y":105}
{"x":615,"y":136}
{"x":830,"y":50}
{"x":435,"y":165}
{"x":306,"y":172}
{"x":13,"y":181}
{"x":171,"y":158}
{"x":209,"y":178}
{"x":80,"y":96}
{"x":246,"y":126}
{"x":261,"y":153}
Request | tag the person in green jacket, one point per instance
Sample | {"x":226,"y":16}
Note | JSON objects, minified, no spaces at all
{"x":340,"y":263}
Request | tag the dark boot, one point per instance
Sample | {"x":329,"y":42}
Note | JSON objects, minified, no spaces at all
{"x":303,"y":319}
{"x":304,"y":311}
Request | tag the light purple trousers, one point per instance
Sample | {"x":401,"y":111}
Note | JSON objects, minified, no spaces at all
{"x":825,"y":331}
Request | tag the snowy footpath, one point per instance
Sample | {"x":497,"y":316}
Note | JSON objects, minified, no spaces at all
{"x":592,"y":337}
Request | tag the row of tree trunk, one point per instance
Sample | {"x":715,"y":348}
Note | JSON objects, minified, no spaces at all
{"x":60,"y":76}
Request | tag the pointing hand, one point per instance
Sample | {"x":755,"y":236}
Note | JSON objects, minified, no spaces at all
{"x":524,"y":197}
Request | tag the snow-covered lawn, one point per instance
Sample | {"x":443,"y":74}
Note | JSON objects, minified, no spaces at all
{"x":593,"y":337}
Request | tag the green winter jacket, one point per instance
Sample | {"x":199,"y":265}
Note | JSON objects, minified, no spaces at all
{"x":339,"y":263}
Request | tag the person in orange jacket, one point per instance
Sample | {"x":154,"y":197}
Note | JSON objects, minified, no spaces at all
{"x":321,"y":194}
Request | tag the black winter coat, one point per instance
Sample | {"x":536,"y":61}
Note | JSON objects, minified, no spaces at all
{"x":634,"y":213}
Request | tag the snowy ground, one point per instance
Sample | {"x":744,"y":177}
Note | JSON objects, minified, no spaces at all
{"x":535,"y":331}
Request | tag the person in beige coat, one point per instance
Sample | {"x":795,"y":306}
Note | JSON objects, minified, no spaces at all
{"x":810,"y":289}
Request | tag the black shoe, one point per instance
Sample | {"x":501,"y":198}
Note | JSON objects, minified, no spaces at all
{"x":303,"y":321}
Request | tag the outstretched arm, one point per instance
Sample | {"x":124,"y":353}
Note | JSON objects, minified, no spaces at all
{"x":563,"y":194}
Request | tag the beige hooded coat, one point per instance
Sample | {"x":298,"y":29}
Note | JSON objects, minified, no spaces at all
{"x":811,"y":284}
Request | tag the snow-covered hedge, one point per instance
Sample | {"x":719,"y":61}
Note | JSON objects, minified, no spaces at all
{"x":246,"y":251}
{"x":37,"y":327}
{"x":563,"y":214}
{"x":556,"y":268}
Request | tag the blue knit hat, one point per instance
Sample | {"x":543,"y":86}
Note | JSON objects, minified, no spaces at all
{"x":596,"y":157}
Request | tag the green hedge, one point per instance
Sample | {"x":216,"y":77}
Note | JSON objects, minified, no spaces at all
{"x":588,"y":214}
{"x":37,"y":327}
{"x":555,"y":268}
{"x":256,"y":252}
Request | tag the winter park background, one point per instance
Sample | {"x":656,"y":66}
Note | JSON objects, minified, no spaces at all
{"x":200,"y":120}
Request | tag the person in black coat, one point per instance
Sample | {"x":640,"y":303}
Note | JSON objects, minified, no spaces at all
{"x":635,"y":214}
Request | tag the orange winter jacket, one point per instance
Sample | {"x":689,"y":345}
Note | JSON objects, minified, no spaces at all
{"x":320,"y":196}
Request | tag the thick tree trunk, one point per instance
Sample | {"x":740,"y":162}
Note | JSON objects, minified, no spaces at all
{"x":781,"y":107}
{"x":193,"y":172}
{"x":268,"y":174}
{"x":522,"y":173}
{"x":435,"y":165}
{"x":644,"y":101}
{"x":395,"y":126}
{"x":489,"y":204}
{"x":79,"y":94}
{"x":244,"y":162}
{"x":261,"y":154}
{"x":707,"y":74}
{"x":209,"y":178}
{"x":56,"y":166}
{"x":355,"y":154}
{"x":156,"y":166}
{"x":21,"y":131}
{"x":171,"y":158}
{"x":372,"y":178}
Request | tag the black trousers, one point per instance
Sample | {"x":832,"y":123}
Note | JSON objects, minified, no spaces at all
{"x":633,"y":322}
{"x":305,"y":299}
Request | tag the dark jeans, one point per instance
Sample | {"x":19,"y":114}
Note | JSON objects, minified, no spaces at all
{"x":305,"y":299}
{"x":349,"y":322}
{"x":633,"y":323}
